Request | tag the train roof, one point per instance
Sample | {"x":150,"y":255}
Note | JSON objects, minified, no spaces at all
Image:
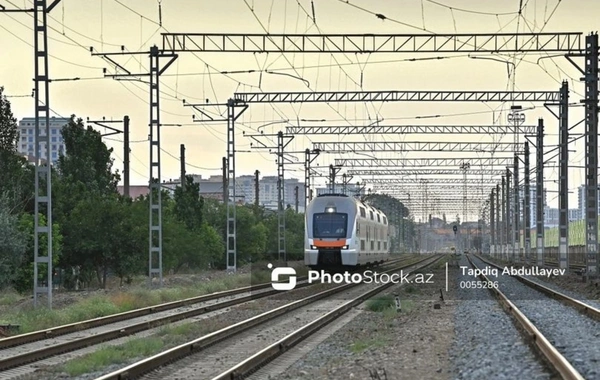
{"x":359,"y":201}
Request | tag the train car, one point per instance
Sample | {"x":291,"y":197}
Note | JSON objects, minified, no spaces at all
{"x":343,"y":232}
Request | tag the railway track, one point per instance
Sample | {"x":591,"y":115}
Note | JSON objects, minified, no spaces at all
{"x":225,"y":347}
{"x":22,"y":350}
{"x":563,"y":330}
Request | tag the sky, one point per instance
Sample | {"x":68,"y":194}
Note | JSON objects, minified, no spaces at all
{"x":135,"y":25}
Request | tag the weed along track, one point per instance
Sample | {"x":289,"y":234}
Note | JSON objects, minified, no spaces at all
{"x":223,"y":349}
{"x":23,"y":354}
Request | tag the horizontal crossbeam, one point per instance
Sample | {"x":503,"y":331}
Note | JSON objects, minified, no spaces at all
{"x":410,"y":129}
{"x":349,"y":147}
{"x":422,"y":162}
{"x":397,"y":96}
{"x":422,"y":172}
{"x":430,"y":182}
{"x":559,"y":42}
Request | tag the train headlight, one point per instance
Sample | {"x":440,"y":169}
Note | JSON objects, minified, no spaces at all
{"x":345,"y":247}
{"x":313,"y":247}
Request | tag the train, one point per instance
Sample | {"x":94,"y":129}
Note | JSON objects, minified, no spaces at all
{"x":342,"y":232}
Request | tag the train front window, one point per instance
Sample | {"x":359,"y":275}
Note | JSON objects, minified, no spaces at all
{"x":330,"y":225}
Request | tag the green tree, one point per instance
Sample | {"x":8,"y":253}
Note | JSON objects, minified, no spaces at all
{"x":9,"y":133}
{"x":189,"y":203}
{"x":102,"y":231}
{"x":16,"y":176}
{"x":13,"y":243}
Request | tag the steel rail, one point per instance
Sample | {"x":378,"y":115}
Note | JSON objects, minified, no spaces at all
{"x":583,"y":308}
{"x":146,"y":365}
{"x":558,"y":362}
{"x":271,"y":352}
{"x":96,"y":322}
{"x":56,"y":349}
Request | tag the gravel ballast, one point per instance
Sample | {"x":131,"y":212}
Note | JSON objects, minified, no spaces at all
{"x":487,"y":344}
{"x":573,"y":334}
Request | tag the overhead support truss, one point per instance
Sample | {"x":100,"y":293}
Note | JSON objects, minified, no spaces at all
{"x":399,"y":181}
{"x":373,"y":43}
{"x":397,"y":96}
{"x":410,"y":129}
{"x":424,"y":172}
{"x":420,"y":162}
{"x":401,"y":146}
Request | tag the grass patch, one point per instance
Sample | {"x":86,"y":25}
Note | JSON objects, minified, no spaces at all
{"x":106,"y":304}
{"x":363,"y":344}
{"x":381,"y":303}
{"x":113,"y":355}
{"x":9,"y":297}
{"x":167,"y":337}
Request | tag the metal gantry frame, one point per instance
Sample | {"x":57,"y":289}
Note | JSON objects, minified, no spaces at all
{"x":437,"y":162}
{"x":569,"y":43}
{"x":43,"y":171}
{"x":423,"y":172}
{"x":409,"y":129}
{"x":403,"y":146}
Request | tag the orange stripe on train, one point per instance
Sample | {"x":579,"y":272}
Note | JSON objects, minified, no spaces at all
{"x":329,"y":244}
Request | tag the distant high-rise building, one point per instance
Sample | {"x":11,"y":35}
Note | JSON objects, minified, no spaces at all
{"x":26,"y":144}
{"x":581,"y":201}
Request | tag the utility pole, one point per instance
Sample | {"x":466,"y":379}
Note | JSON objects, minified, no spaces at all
{"x":126,"y":152}
{"x":492,"y":225}
{"x":256,"y":189}
{"x":508,"y":219}
{"x":309,"y":157}
{"x":113,"y":131}
{"x":539,"y":193}
{"x":499,"y":208}
{"x":516,"y":243}
{"x":296,"y":198}
{"x":527,"y":208}
{"x":563,"y":228}
{"x":225,"y":184}
{"x":182,"y":162}
{"x":43,"y":199}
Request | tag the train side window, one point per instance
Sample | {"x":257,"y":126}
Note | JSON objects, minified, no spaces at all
{"x":371,"y":213}
{"x":385,"y":245}
{"x":379,"y":246}
{"x":372,"y":245}
{"x":378,"y":219}
{"x":363,"y":212}
{"x":362,"y":245}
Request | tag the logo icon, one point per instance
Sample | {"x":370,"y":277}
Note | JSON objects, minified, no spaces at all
{"x":291,"y":284}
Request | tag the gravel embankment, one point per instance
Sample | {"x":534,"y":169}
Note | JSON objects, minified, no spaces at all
{"x":573,"y":334}
{"x":487,"y":344}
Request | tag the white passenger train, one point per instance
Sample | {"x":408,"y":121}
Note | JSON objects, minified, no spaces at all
{"x":341,"y":231}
